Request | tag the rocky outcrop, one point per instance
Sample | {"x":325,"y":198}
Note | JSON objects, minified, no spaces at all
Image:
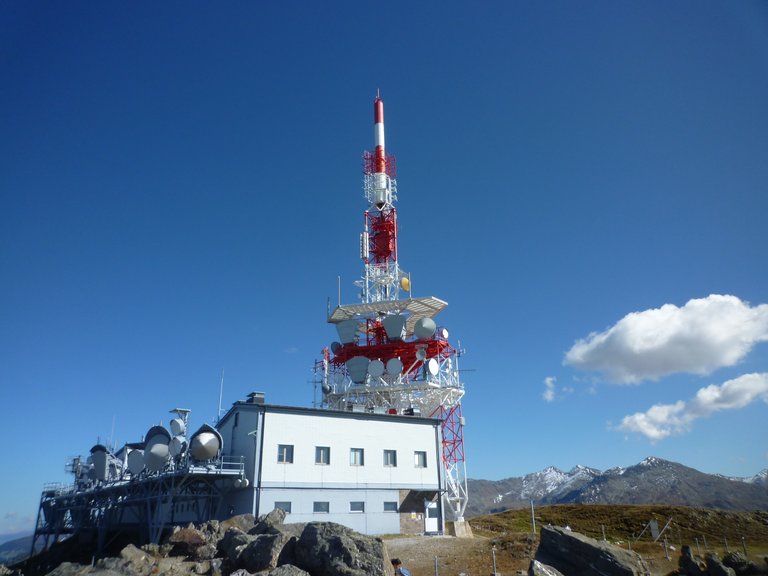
{"x":743,"y":566}
{"x":716,"y":568}
{"x":687,"y":564}
{"x":539,"y":569}
{"x":244,"y":546}
{"x":335,"y":550}
{"x":574,"y":554}
{"x":732,"y":564}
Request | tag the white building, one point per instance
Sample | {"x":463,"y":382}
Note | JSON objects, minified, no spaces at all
{"x":377,"y":473}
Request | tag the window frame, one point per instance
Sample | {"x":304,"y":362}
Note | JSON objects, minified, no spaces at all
{"x":392,"y":461}
{"x":285,"y":453}
{"x":394,"y":508}
{"x":321,"y":507}
{"x":357,"y":456}
{"x":420,"y":458}
{"x":360,"y":504}
{"x":323,"y":455}
{"x":283,"y":505}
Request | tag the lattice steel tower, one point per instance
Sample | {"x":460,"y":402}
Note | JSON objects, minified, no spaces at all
{"x":391,"y":356}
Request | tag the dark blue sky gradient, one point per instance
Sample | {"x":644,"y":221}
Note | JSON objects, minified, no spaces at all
{"x":180,"y":187}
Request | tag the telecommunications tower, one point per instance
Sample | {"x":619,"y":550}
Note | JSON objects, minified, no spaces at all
{"x":391,"y":356}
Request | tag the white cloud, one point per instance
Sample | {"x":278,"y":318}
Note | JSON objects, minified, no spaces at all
{"x":705,"y":334}
{"x":549,"y":389}
{"x":664,"y":420}
{"x":551,"y":394}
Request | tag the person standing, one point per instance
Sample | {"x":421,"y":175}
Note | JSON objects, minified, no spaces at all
{"x":400,"y":570}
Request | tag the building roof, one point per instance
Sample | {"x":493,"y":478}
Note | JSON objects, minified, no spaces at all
{"x":242,"y":404}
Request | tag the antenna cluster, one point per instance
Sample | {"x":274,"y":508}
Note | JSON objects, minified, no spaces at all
{"x":161,"y":451}
{"x":391,"y":356}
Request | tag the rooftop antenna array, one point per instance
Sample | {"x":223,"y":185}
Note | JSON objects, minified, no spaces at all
{"x":391,"y":356}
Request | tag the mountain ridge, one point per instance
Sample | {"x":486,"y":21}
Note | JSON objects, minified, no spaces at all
{"x":651,"y":481}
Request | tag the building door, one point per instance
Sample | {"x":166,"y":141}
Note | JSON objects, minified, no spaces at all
{"x":431,"y":518}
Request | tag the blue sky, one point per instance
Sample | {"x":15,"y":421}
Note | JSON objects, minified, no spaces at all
{"x":585,"y":184}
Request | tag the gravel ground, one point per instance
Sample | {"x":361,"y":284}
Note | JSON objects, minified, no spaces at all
{"x":455,"y":556}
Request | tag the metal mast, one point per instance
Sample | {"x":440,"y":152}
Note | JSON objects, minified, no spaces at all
{"x":391,"y":356}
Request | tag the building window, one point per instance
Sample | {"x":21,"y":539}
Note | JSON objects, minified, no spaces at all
{"x":356,"y":457}
{"x":283,"y":506}
{"x":390,"y":457}
{"x":357,"y":506}
{"x":285,"y":453}
{"x":390,"y":506}
{"x":420,"y":459}
{"x":320,"y":507}
{"x":323,"y":455}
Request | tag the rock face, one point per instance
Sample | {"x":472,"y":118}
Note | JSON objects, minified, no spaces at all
{"x":716,"y":568}
{"x":574,"y":554}
{"x":244,"y":546}
{"x":333,"y":549}
{"x":687,"y":564}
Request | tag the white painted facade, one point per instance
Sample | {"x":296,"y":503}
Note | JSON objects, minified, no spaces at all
{"x":308,"y":461}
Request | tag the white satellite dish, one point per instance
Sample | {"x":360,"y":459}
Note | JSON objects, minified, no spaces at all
{"x":206,"y":443}
{"x":156,"y":451}
{"x":376,"y":368}
{"x":424,"y":328}
{"x":135,"y":462}
{"x":444,"y":333}
{"x":394,"y":366}
{"x":177,"y":446}
{"x":156,"y":455}
{"x":433,"y":367}
{"x":177,"y":427}
{"x":421,"y":354}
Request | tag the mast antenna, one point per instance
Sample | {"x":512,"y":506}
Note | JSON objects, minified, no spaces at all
{"x":221,"y":393}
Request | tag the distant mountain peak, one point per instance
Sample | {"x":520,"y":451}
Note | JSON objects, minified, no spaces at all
{"x":651,"y":481}
{"x":584,"y":471}
{"x":652,"y":461}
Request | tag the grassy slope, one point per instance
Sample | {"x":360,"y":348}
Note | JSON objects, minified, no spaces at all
{"x":622,"y":523}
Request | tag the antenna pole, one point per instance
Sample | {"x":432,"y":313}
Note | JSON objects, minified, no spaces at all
{"x":221,"y":393}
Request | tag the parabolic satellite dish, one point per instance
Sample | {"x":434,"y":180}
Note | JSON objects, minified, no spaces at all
{"x":177,"y":446}
{"x":135,"y":462}
{"x":394,"y":366}
{"x":177,"y":427}
{"x":424,"y":328}
{"x":376,"y":368}
{"x":157,"y":451}
{"x":206,"y":443}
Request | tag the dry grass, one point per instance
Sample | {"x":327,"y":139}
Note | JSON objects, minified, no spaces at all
{"x":507,"y":535}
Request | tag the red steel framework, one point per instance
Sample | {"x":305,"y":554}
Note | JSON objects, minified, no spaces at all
{"x":421,"y":370}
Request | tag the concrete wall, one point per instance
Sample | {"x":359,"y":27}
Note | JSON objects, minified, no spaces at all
{"x":305,"y":432}
{"x":373,"y":521}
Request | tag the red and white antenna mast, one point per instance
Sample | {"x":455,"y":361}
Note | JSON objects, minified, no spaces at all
{"x":378,"y":242}
{"x":391,"y":356}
